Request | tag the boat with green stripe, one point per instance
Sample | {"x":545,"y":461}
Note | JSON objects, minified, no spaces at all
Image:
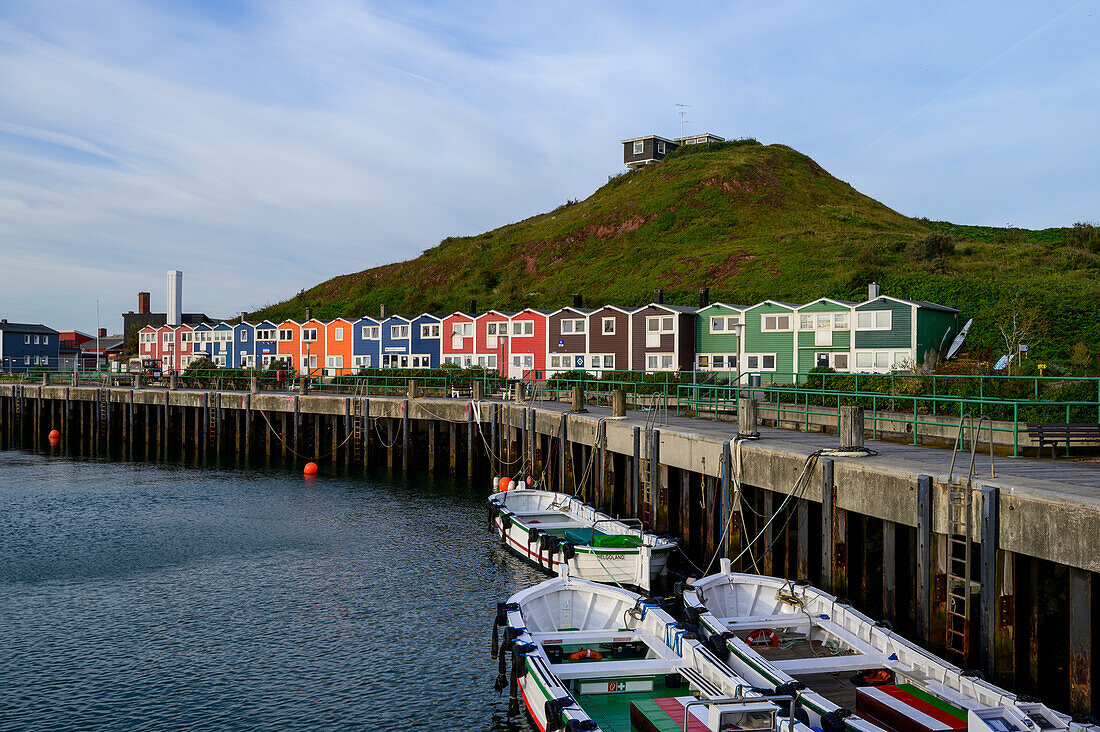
{"x":849,"y":672}
{"x":551,"y":529}
{"x":585,"y":656}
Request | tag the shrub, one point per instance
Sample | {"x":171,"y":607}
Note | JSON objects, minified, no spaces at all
{"x":931,"y":247}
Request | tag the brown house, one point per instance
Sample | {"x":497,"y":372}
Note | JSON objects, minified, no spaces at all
{"x":609,"y":339}
{"x":567,"y":340}
{"x":662,"y":338}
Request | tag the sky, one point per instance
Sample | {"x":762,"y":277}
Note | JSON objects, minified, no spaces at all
{"x":263,"y":147}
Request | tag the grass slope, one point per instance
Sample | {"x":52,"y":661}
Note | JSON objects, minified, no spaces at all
{"x":751,"y":222}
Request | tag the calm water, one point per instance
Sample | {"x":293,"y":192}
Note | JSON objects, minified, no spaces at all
{"x":137,"y":596}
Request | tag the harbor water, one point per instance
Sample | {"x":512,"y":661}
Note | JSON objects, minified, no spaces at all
{"x":136,"y":596}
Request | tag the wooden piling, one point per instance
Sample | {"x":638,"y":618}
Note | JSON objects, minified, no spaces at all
{"x":889,"y":571}
{"x":1081,"y":616}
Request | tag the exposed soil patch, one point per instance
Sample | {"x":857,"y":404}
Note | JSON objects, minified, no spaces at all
{"x":729,"y":268}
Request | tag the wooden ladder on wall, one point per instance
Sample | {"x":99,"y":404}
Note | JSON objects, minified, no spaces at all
{"x":357,"y":431}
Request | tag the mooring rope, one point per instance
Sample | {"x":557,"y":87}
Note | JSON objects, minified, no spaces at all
{"x":291,"y":450}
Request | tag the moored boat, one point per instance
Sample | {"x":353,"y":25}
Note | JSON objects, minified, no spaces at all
{"x":849,"y":671}
{"x":551,"y":529}
{"x":591,"y":656}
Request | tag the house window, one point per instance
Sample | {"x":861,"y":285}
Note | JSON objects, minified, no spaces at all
{"x":805,"y":321}
{"x":660,"y":147}
{"x":609,"y":326}
{"x":335,"y":362}
{"x":555,"y":362}
{"x":775,"y":322}
{"x":523,"y":327}
{"x":639,"y":147}
{"x":491,"y":329}
{"x":840,"y":321}
{"x":874,"y":320}
{"x":45,"y":340}
{"x":703,"y":362}
{"x":338,"y":334}
{"x":901,"y":360}
{"x":609,"y":361}
{"x":399,"y":331}
{"x":660,"y":324}
{"x":573,"y":326}
{"x":651,"y":363}
{"x":244,"y":336}
{"x":429,"y":330}
{"x":284,"y":335}
{"x":717,"y":325}
{"x":840,"y":361}
{"x":185,"y":337}
{"x":309,"y":334}
{"x":26,"y":340}
{"x":462,"y":330}
{"x":27,"y":359}
{"x":761,"y":362}
{"x":165,"y":337}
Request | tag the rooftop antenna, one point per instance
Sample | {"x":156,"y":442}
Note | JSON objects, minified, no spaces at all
{"x":683,"y":111}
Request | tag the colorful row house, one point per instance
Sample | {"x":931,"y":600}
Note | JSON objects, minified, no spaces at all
{"x":774,"y":338}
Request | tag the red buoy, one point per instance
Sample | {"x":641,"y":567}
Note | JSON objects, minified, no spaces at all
{"x":310,"y":469}
{"x":502,"y":484}
{"x":55,"y":435}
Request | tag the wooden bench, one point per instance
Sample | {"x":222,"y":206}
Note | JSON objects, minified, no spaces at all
{"x":1054,"y":433}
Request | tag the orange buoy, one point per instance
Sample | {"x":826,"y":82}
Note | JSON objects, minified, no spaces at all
{"x":586,"y":654}
{"x":502,"y":484}
{"x":55,"y":435}
{"x":310,"y":469}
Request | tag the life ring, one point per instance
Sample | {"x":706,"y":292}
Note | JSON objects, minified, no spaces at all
{"x":586,"y":654}
{"x":762,"y":637}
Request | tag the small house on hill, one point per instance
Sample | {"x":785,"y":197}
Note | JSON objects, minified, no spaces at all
{"x":639,"y":151}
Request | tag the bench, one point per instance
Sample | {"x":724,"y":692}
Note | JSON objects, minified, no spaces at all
{"x":1053,"y":433}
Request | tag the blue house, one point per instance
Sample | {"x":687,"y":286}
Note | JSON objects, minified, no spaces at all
{"x":367,"y":344}
{"x":265,"y":348}
{"x":426,"y":340}
{"x":203,"y":345}
{"x":244,"y":345}
{"x":396,"y":342}
{"x":24,"y":346}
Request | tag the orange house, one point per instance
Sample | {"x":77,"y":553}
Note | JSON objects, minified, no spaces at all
{"x":311,"y":347}
{"x":339,"y":339}
{"x":288,"y":344}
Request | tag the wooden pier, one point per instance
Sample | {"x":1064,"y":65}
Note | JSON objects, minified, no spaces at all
{"x":889,"y":531}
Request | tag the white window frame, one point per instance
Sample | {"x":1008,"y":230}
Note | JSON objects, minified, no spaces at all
{"x":665,"y":324}
{"x":523,"y":328}
{"x":244,"y":336}
{"x":429,"y":330}
{"x":660,"y":147}
{"x":338,"y":334}
{"x":399,"y":332}
{"x":605,"y":322}
{"x":187,"y":336}
{"x":462,"y":329}
{"x":309,"y":335}
{"x":577,"y":326}
{"x":879,"y":319}
{"x":841,"y":321}
{"x":775,"y":326}
{"x":639,"y":147}
{"x":755,"y":361}
{"x":285,"y":334}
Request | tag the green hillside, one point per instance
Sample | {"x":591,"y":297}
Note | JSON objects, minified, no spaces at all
{"x":751,"y":222}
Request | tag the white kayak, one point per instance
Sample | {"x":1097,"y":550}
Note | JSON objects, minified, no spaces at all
{"x":589,"y":656}
{"x":551,"y":529}
{"x":850,"y":672}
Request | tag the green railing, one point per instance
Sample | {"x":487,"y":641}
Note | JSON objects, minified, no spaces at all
{"x":821,"y":406}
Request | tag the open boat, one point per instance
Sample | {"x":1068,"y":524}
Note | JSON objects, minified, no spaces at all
{"x":591,"y":656}
{"x":849,"y":671}
{"x":551,"y":529}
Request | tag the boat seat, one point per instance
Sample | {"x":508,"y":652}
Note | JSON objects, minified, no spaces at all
{"x":587,"y":636}
{"x":607,"y":669}
{"x":752,"y":622}
{"x":825,"y":664}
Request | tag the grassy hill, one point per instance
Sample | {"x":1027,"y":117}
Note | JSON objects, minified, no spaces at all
{"x":751,"y":222}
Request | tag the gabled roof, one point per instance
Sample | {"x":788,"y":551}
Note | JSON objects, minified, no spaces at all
{"x":501,"y":313}
{"x":433,"y":316}
{"x":620,"y":308}
{"x":396,"y":317}
{"x":539,"y":311}
{"x":739,"y":308}
{"x":919,"y":303}
{"x":27,"y":328}
{"x":376,"y":321}
{"x":788,"y":305}
{"x":672,"y":308}
{"x":844,"y":303}
{"x":105,"y":344}
{"x":579,"y":311}
{"x":461,"y":314}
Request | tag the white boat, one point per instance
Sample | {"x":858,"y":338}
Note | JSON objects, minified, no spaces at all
{"x":591,"y":656}
{"x":551,"y":529}
{"x":776,"y":632}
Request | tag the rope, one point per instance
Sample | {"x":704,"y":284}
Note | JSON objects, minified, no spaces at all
{"x":291,"y":449}
{"x":378,"y":433}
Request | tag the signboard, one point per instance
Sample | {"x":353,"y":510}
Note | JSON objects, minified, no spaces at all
{"x":395,"y":349}
{"x":561,"y":344}
{"x":579,"y":361}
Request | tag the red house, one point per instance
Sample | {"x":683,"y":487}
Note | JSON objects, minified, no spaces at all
{"x":458,"y":339}
{"x":528,"y":346}
{"x":491,"y":346}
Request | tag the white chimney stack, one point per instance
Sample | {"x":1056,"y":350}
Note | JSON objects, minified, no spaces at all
{"x":873,"y":291}
{"x":175,"y":296}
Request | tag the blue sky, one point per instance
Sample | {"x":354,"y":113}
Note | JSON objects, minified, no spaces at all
{"x":264,"y":147}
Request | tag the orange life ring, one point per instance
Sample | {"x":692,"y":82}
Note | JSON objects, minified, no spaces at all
{"x":767,"y":636}
{"x":586,"y":654}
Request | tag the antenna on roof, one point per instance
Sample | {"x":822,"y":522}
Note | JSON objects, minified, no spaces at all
{"x":683,"y":111}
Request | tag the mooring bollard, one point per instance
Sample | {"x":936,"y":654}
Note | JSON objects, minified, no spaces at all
{"x":478,"y":391}
{"x":254,"y":384}
{"x":45,"y":379}
{"x":618,"y":403}
{"x":173,"y":380}
{"x":578,"y":399}
{"x":414,"y":389}
{"x":518,"y":392}
{"x":303,"y":385}
{"x":851,"y":427}
{"x":138,"y":381}
{"x":746,"y":417}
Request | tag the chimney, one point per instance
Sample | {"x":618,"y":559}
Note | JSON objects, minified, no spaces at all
{"x":242,"y":315}
{"x":102,"y":332}
{"x":143,"y":303}
{"x":3,"y":320}
{"x":175,"y":297}
{"x":473,"y":307}
{"x":382,"y":311}
{"x":578,"y":301}
{"x":873,"y":291}
{"x":309,"y":313}
{"x":659,"y":297}
{"x":704,"y":297}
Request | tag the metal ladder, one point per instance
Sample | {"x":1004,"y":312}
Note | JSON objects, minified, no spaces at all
{"x":357,"y":420}
{"x":645,"y":475}
{"x":960,"y":503}
{"x":17,"y":393}
{"x":103,"y":398}
{"x":212,"y":421}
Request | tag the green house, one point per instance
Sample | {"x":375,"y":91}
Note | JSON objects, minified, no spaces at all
{"x":824,"y":335}
{"x":769,"y":348}
{"x":718,"y":337}
{"x":891,"y":333}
